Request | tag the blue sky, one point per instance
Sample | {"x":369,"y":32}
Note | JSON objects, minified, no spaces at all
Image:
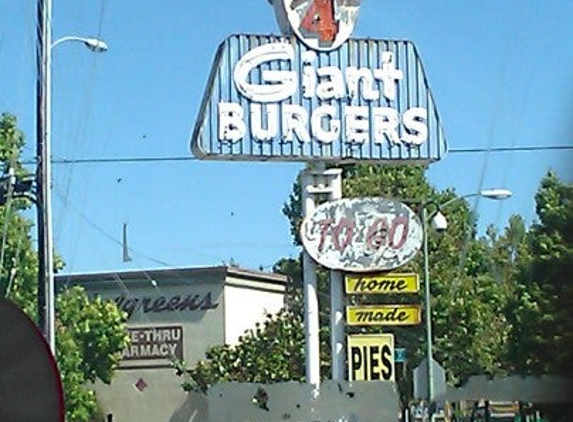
{"x":500,"y":71}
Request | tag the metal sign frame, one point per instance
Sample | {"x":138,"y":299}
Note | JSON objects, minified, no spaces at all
{"x":367,"y":101}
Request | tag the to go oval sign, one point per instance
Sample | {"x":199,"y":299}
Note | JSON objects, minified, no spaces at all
{"x":362,"y":234}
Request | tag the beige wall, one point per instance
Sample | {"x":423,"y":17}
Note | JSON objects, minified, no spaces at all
{"x":161,"y":399}
{"x":211,"y":306}
{"x":201,"y":327}
{"x":245,"y":306}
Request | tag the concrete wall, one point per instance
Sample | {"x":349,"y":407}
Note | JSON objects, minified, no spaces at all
{"x":248,"y":302}
{"x":181,"y":313}
{"x":150,"y":395}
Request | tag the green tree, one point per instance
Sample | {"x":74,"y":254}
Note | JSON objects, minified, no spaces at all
{"x":18,"y":261}
{"x":470,"y":332}
{"x":272,"y":352}
{"x":90,"y":334}
{"x":540,"y":310}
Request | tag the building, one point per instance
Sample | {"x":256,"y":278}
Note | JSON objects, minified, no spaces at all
{"x":175,"y":314}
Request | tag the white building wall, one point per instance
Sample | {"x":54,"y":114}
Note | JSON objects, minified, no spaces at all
{"x":245,"y":306}
{"x":143,"y":391}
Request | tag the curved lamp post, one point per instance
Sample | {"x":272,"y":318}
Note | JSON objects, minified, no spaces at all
{"x":46,"y":291}
{"x":94,"y":44}
{"x":439,"y":223}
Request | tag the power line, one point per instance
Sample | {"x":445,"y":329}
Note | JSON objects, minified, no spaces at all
{"x":122,"y":160}
{"x":127,"y":160}
{"x":511,"y":149}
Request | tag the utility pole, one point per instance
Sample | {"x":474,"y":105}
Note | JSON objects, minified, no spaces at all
{"x":46,"y":288}
{"x":428,"y":309}
{"x":43,"y":173}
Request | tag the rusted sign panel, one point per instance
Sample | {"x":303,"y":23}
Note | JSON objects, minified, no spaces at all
{"x":383,"y":283}
{"x":362,"y":401}
{"x":383,"y":315}
{"x":320,"y":24}
{"x":362,"y":234}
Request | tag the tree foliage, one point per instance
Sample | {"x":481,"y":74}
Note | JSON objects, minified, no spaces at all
{"x":90,"y":337}
{"x":462,"y":289}
{"x":540,"y":311}
{"x":500,"y":302}
{"x":272,"y":352}
{"x":469,"y":332}
{"x":18,"y":261}
{"x":89,"y":334}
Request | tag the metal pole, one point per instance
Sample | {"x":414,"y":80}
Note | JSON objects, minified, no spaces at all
{"x":337,"y":325}
{"x":46,"y":316}
{"x":311,"y":310}
{"x":338,"y":350}
{"x":428,"y":307}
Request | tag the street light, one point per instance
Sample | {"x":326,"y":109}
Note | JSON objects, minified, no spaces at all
{"x":440,"y":223}
{"x":94,"y":44}
{"x":46,"y":293}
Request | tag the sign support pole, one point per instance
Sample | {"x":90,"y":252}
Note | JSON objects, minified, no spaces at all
{"x":428,"y":309}
{"x":326,"y":183}
{"x":311,"y":310}
{"x":338,"y":351}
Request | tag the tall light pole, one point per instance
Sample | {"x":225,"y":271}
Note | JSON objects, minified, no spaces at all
{"x":46,"y":293}
{"x":440,"y":223}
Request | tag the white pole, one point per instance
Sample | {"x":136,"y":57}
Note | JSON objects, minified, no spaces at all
{"x":337,"y":332}
{"x":311,"y":310}
{"x":46,"y":314}
{"x":428,"y":309}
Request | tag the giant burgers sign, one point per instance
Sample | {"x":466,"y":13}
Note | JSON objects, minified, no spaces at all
{"x":317,"y":95}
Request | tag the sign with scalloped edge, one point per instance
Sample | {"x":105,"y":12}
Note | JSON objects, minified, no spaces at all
{"x":362,"y":234}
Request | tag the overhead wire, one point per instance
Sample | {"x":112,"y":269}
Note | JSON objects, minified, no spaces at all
{"x":115,"y":240}
{"x":78,"y":136}
{"x":495,"y":119}
{"x":181,"y":158}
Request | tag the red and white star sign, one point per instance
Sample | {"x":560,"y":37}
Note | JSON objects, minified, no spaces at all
{"x":320,"y":24}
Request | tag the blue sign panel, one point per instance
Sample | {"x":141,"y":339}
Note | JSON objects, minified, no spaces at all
{"x":273,"y":98}
{"x":399,"y":355}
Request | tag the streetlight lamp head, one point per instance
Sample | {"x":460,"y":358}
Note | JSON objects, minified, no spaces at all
{"x":496,"y":193}
{"x":439,"y":222}
{"x":96,"y":45}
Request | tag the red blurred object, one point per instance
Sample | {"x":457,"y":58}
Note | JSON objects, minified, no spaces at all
{"x":30,"y":385}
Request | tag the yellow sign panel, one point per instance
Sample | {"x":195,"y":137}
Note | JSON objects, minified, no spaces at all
{"x":383,"y":315}
{"x":382,"y":283}
{"x":370,"y":357}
